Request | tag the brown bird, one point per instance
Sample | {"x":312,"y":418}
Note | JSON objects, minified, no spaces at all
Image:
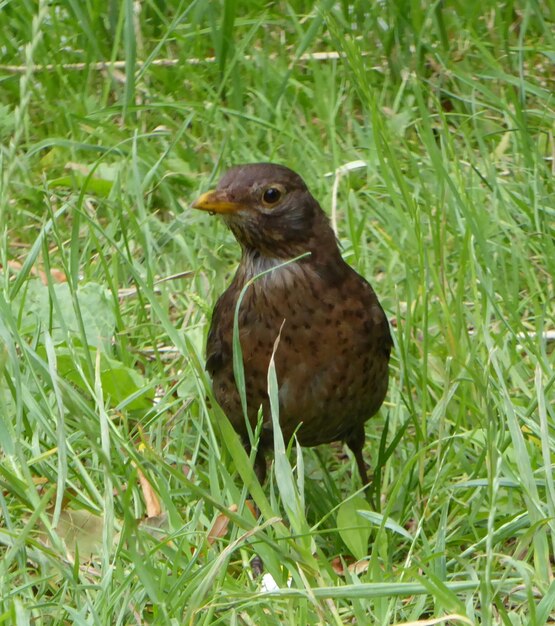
{"x":334,"y":342}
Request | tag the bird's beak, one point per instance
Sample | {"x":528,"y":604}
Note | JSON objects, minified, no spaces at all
{"x":216,"y":202}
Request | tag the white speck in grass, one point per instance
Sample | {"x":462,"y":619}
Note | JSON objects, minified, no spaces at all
{"x":269,"y":584}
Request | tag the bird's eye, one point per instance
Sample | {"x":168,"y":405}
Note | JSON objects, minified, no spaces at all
{"x":271,"y":195}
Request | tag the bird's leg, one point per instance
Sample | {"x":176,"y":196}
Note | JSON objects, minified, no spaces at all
{"x":355,"y":441}
{"x":259,"y":460}
{"x":260,"y":465}
{"x":260,"y":470}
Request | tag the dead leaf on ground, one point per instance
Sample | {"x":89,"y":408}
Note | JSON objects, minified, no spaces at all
{"x":220,"y":525}
{"x":152,"y":503}
{"x":355,"y":567}
{"x":57,"y":275}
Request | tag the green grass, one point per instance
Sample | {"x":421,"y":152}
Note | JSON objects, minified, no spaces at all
{"x":451,"y":107}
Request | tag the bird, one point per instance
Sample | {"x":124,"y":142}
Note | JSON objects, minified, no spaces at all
{"x":305,"y":306}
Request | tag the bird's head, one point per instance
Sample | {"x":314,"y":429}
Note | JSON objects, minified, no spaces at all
{"x":269,"y":209}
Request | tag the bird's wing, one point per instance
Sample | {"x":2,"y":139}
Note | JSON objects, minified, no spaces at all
{"x":377,"y":324}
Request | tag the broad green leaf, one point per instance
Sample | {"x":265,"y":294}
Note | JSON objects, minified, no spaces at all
{"x":53,"y":307}
{"x":120,"y":384}
{"x":90,"y":184}
{"x":353,"y":528}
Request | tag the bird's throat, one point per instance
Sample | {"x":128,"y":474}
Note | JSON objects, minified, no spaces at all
{"x":256,"y":263}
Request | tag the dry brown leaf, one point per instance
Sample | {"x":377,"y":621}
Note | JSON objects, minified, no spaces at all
{"x":152,"y":503}
{"x":339,"y":562}
{"x":57,"y":275}
{"x":359,"y":567}
{"x":219,"y":527}
{"x":252,"y":508}
{"x":355,"y":567}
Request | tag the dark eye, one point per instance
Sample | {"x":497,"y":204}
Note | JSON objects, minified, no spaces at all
{"x":271,"y":195}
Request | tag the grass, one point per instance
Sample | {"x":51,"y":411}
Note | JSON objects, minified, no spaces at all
{"x":113,"y":119}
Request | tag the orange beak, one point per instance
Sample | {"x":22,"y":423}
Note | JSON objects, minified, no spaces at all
{"x":216,"y":202}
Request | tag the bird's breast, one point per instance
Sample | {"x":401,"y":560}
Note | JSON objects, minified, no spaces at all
{"x":326,"y":337}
